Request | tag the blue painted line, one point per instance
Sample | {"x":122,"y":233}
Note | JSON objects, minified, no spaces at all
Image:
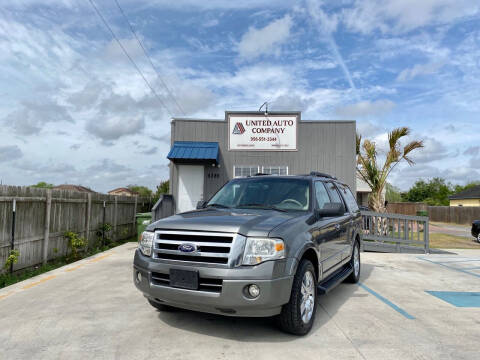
{"x":450,"y":267}
{"x":386,"y":301}
{"x":458,"y":299}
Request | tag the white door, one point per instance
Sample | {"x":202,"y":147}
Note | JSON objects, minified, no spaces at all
{"x":190,"y":187}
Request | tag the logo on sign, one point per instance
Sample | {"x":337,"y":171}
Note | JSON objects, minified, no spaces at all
{"x":188,"y":248}
{"x":238,"y":129}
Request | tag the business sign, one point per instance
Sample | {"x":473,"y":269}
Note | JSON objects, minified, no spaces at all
{"x":262,"y":132}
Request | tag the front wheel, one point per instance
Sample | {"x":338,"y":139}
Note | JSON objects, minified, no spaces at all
{"x":355,"y":263}
{"x":298,"y":314}
{"x":478,"y":237}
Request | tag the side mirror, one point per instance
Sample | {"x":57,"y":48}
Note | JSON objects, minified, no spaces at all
{"x":201,"y":204}
{"x":330,"y":209}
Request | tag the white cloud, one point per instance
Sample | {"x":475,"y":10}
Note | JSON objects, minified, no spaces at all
{"x":474,"y":161}
{"x":266,"y":40}
{"x":114,"y":127}
{"x":32,"y":116}
{"x":57,"y":169}
{"x":9,"y":153}
{"x":405,"y":176}
{"x":290,"y":102}
{"x":369,"y":129}
{"x":113,"y":52}
{"x":404,"y":15}
{"x":419,"y":69}
{"x":433,"y":150}
{"x":88,"y":96}
{"x":365,"y":108}
{"x":211,"y":23}
{"x":472,"y":150}
{"x":327,"y":25}
{"x":150,"y":151}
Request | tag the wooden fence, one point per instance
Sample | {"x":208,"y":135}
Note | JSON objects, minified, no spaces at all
{"x":447,"y":214}
{"x":43,"y":216}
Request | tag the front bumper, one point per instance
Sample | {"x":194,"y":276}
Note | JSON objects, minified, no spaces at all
{"x":275,"y":287}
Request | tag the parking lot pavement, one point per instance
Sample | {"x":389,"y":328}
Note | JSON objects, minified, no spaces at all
{"x":91,"y":309}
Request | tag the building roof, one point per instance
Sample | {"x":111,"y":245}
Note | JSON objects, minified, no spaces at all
{"x":123,"y":189}
{"x":193,"y":150}
{"x":303,"y":121}
{"x":471,"y":193}
{"x":70,"y":187}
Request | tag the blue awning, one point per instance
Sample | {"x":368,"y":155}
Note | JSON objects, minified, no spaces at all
{"x":193,"y":151}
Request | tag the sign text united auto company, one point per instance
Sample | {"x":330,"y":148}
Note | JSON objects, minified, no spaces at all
{"x":262,"y":132}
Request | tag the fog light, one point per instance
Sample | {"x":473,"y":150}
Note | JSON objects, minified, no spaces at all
{"x":254,"y":290}
{"x":138,"y":277}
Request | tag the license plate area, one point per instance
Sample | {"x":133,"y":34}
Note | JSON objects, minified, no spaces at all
{"x":184,"y":279}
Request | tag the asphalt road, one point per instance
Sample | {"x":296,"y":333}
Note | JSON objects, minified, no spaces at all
{"x":91,"y":310}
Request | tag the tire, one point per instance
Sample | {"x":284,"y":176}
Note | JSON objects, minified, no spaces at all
{"x":478,"y":237}
{"x":292,"y":320}
{"x":161,"y":307}
{"x":355,"y":275}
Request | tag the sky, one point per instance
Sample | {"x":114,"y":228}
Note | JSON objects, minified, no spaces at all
{"x":74,"y":109}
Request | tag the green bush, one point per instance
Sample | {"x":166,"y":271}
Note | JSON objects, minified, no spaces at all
{"x":12,"y":258}
{"x":75,"y":242}
{"x":104,"y":235}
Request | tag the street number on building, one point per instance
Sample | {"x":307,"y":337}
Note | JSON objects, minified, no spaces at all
{"x":262,"y":132}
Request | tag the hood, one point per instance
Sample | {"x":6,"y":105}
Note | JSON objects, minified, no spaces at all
{"x":251,"y":222}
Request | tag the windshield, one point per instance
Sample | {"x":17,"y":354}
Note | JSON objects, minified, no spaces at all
{"x":274,"y":193}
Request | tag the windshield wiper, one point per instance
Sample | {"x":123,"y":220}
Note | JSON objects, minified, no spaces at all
{"x":219,"y":206}
{"x":262,"y":206}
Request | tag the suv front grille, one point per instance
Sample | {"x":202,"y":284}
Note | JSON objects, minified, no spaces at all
{"x":210,"y":247}
{"x":204,"y":284}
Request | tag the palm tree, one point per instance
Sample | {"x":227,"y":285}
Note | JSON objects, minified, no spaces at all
{"x":374,"y":174}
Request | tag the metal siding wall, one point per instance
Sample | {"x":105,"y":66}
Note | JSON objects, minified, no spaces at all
{"x":326,"y":146}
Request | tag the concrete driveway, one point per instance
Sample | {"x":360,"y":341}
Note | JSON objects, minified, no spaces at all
{"x":91,"y":309}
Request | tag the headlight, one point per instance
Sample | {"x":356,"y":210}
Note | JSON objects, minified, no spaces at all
{"x":146,"y":242}
{"x":258,"y":250}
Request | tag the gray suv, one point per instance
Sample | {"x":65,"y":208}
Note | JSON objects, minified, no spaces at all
{"x":261,"y":246}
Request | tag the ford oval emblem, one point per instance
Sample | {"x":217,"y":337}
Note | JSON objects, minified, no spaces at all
{"x":187,"y":247}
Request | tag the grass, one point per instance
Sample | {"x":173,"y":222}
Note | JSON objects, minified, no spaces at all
{"x":446,"y":241}
{"x":440,"y":240}
{"x":9,"y":279}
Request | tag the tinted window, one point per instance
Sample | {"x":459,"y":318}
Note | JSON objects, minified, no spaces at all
{"x":287,"y":194}
{"x":334,"y":193}
{"x":321,"y":194}
{"x":349,"y":198}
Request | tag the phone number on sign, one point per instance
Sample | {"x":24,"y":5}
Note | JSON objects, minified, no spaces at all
{"x":263,"y":138}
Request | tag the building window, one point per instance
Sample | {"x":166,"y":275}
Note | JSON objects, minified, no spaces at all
{"x":241,"y":171}
{"x":275,"y":170}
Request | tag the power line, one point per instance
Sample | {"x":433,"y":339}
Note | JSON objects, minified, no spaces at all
{"x":148,"y":57}
{"x":126,"y":53}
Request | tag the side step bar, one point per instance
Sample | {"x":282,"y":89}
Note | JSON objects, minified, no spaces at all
{"x":328,"y":285}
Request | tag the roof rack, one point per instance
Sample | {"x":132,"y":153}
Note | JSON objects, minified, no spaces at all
{"x":261,"y":174}
{"x":320,"y":174}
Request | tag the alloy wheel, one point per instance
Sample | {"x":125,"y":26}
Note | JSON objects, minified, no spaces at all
{"x":307,"y":304}
{"x":356,"y":260}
